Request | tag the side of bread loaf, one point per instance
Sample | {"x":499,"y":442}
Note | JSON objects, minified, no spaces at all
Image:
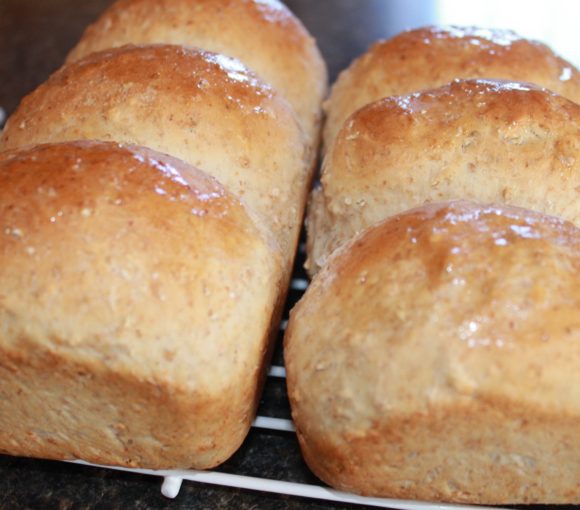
{"x":201,"y":107}
{"x":485,"y":140}
{"x":429,"y":57}
{"x":436,"y":357}
{"x":266,"y":36}
{"x":135,"y":308}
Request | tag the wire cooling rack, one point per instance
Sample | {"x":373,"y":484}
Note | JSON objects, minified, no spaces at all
{"x":274,"y":418}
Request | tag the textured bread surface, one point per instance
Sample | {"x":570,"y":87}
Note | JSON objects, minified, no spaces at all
{"x":428,"y":57}
{"x":486,"y":140}
{"x":264,"y":35}
{"x":203,"y":108}
{"x":136,"y":296}
{"x":436,"y":357}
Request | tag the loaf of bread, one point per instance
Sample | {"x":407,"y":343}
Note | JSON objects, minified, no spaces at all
{"x":136,"y":300}
{"x":141,"y":288}
{"x":490,"y":141}
{"x":266,"y":36}
{"x":436,"y":357}
{"x":201,"y":107}
{"x":429,"y":57}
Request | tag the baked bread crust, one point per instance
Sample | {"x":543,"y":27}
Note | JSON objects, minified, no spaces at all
{"x":485,"y":140}
{"x":436,"y":356}
{"x":203,"y":108}
{"x":429,"y":57}
{"x":135,"y":307}
{"x":266,"y":36}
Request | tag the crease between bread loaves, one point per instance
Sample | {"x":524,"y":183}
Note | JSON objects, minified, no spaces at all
{"x":435,"y":357}
{"x":204,"y":108}
{"x":135,"y":309}
{"x":266,"y":36}
{"x":485,"y":140}
{"x":429,"y":57}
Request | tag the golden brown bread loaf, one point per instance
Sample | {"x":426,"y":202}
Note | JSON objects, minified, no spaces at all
{"x":428,"y":57}
{"x":265,"y":36}
{"x":486,"y":140}
{"x":203,"y":108}
{"x":436,"y":357}
{"x":136,"y":302}
{"x":125,"y":274}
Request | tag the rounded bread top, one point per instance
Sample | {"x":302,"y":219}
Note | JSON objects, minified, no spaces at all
{"x":429,"y":57}
{"x":263,"y":34}
{"x":485,"y":140}
{"x":448,"y":303}
{"x":131,"y":261}
{"x":204,"y":108}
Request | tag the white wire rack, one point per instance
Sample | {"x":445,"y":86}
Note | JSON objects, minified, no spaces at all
{"x":173,"y":479}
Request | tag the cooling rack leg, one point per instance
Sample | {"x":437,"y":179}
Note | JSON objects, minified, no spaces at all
{"x":171,"y":485}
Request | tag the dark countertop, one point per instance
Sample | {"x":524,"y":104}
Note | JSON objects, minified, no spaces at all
{"x":34,"y":38}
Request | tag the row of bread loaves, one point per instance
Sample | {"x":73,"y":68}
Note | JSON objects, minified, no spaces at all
{"x":436,"y":354}
{"x":139,"y":294}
